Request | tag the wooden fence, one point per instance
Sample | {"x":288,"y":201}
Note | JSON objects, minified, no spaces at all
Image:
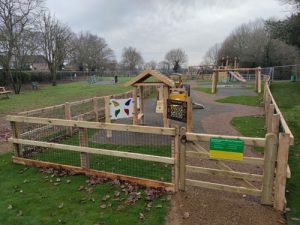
{"x":275,"y":123}
{"x":18,"y":141}
{"x":190,"y":148}
{"x":184,"y":144}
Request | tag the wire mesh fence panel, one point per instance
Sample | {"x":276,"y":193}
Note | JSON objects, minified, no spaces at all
{"x":145,"y":144}
{"x":288,"y":72}
{"x":84,"y":109}
{"x":57,"y":112}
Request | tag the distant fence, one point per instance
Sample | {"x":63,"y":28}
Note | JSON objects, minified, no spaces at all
{"x":275,"y":123}
{"x":282,"y":72}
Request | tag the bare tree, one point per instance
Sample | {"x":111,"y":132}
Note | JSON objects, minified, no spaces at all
{"x":55,"y":43}
{"x":176,"y":57}
{"x":131,"y":58}
{"x":92,"y":52}
{"x":164,"y":65}
{"x":16,"y":18}
{"x":211,"y":56}
{"x":150,"y":65}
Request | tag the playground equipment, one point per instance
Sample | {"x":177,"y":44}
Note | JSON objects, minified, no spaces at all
{"x":201,"y":72}
{"x":164,"y":85}
{"x":218,"y":73}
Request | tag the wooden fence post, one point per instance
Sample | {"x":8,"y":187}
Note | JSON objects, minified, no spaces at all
{"x":83,"y":141}
{"x":96,"y":108}
{"x":269,"y":118}
{"x":281,"y":171}
{"x":135,"y":108}
{"x":68,"y":116}
{"x":182,"y":159}
{"x":270,"y":155}
{"x":165,"y":97}
{"x":107,"y":115}
{"x":142,"y":108}
{"x":275,"y":124}
{"x":175,"y":155}
{"x":258,"y":80}
{"x":17,"y":148}
{"x":189,"y":124}
{"x":214,"y":82}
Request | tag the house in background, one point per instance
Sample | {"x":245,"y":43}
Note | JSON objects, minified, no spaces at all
{"x":37,"y":62}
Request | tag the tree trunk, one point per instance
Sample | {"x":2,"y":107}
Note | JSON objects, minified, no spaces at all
{"x":53,"y":74}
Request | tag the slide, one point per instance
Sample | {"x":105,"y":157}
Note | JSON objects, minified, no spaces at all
{"x":237,"y":76}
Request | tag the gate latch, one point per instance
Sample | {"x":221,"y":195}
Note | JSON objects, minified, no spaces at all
{"x":183,"y":139}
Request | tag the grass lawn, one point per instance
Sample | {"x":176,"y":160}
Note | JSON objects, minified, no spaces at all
{"x":244,"y":100}
{"x":203,"y":89}
{"x":287,"y":96}
{"x":52,"y":95}
{"x":31,"y":197}
{"x":250,"y":126}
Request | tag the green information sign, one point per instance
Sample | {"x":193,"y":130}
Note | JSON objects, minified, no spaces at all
{"x":222,"y":148}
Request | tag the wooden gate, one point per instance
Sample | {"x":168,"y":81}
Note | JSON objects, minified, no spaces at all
{"x":210,"y":173}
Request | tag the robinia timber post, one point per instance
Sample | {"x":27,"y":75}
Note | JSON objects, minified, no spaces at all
{"x":165,"y":98}
{"x":270,"y":155}
{"x":175,"y":155}
{"x":142,"y":106}
{"x":135,"y":108}
{"x":17,"y":149}
{"x":182,"y":160}
{"x":281,"y":171}
{"x":96,"y":108}
{"x":214,"y":82}
{"x":83,"y":141}
{"x":189,"y":124}
{"x":68,"y":116}
{"x":107,"y":114}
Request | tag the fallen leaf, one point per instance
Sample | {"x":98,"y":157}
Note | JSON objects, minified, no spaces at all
{"x":142,"y":216}
{"x":117,"y":194}
{"x":69,"y":181}
{"x":295,"y":219}
{"x":105,"y":197}
{"x":9,"y":207}
{"x":158,"y":206}
{"x":20,"y":213}
{"x":61,"y":205}
{"x":81,"y":187}
{"x":103,"y":206}
{"x":186,"y":215}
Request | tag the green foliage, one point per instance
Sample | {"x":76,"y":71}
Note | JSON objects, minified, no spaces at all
{"x":287,"y":95}
{"x":30,"y":197}
{"x":287,"y":30}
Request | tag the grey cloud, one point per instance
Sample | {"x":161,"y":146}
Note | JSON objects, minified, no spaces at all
{"x":156,"y":26}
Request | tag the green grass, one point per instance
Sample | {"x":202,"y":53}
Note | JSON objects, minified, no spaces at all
{"x":52,"y":95}
{"x":242,"y":100}
{"x":30,"y":197}
{"x":203,"y":89}
{"x":250,"y":126}
{"x":287,"y":96}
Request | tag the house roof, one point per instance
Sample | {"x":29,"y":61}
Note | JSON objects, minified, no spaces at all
{"x":148,"y":73}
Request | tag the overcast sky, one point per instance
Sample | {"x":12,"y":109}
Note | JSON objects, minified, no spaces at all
{"x":156,"y":26}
